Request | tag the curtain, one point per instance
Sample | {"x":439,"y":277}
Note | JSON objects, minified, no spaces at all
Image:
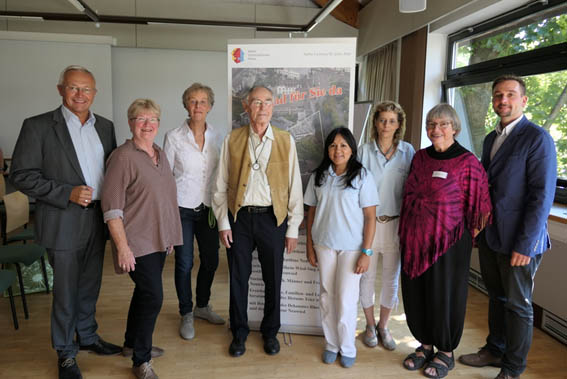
{"x":379,"y":77}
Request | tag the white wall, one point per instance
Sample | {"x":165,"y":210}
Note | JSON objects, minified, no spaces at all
{"x":162,"y":75}
{"x":30,"y":66}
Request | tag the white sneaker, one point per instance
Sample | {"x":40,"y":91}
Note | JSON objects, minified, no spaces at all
{"x":186,"y":328}
{"x":144,"y":371}
{"x":206,"y":313}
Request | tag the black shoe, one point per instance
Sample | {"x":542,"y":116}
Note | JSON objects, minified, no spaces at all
{"x":101,"y":347}
{"x":271,"y":345}
{"x":236,"y":348}
{"x":68,"y":369}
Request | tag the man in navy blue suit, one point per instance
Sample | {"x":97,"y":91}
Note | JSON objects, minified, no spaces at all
{"x":520,"y":160}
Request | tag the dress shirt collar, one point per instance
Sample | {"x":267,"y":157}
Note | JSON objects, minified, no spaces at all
{"x":188,"y":130}
{"x":269,"y":132}
{"x":71,"y":118}
{"x":333,"y":173}
{"x":401,"y":146}
{"x":508,"y":128}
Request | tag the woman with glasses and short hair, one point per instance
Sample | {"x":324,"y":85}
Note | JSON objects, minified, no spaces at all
{"x":446,"y":203}
{"x":140,"y":208}
{"x":193,"y":151}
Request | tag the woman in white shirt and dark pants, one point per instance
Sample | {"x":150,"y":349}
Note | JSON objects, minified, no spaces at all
{"x":341,"y":220}
{"x":193,"y":152}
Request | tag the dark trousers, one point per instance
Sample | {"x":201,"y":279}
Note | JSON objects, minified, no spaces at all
{"x":435,"y":302}
{"x":196,"y":224}
{"x":510,"y":312}
{"x":145,"y":305}
{"x":255,"y":231}
{"x":77,"y":276}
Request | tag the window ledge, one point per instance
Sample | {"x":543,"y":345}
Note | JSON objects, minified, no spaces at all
{"x":558,"y":213}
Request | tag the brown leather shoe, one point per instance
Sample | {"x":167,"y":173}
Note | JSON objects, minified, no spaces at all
{"x":481,"y":359}
{"x":503,"y":375}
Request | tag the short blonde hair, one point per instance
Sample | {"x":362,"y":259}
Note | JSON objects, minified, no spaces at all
{"x":389,"y":106}
{"x":139,"y":105}
{"x":445,"y":110}
{"x":194,"y":88}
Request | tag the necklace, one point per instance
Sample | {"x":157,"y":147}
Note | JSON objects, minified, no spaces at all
{"x":256,"y":165}
{"x":385,"y":154}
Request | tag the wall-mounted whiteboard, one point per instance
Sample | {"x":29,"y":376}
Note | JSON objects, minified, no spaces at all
{"x":163,"y":75}
{"x":30,"y":65}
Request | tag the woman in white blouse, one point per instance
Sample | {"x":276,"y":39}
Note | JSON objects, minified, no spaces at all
{"x":193,"y":150}
{"x":388,"y":158}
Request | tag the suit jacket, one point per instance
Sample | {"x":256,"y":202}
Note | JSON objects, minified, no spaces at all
{"x":45,"y":166}
{"x":522,"y":178}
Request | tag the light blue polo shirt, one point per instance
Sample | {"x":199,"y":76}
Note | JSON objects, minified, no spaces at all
{"x":390,"y":176}
{"x":339,"y":219}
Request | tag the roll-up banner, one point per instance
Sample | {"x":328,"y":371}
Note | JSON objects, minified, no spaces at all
{"x":312,"y":80}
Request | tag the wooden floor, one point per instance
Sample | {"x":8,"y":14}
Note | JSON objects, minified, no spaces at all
{"x":27,"y":353}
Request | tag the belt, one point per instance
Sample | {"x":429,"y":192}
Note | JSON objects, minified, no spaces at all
{"x":251,"y":209}
{"x":385,"y":219}
{"x":95,"y":204}
{"x":200,"y":208}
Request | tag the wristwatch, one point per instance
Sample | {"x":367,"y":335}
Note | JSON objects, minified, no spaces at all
{"x":368,"y":252}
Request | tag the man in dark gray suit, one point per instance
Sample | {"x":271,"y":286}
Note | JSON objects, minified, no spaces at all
{"x":59,"y":160}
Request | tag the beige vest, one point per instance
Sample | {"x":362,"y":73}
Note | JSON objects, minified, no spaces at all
{"x":277,"y":171}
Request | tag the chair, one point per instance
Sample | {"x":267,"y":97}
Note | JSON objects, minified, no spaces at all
{"x":7,"y":278}
{"x":17,"y":204}
{"x":17,"y":215}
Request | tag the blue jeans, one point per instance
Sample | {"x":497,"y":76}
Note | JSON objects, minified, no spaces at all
{"x":510,"y":312}
{"x":196,"y":224}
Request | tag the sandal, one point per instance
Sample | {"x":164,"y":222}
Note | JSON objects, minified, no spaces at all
{"x":441,"y":369}
{"x":418,"y":361}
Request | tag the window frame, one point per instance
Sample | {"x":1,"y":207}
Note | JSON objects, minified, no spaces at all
{"x":523,"y":64}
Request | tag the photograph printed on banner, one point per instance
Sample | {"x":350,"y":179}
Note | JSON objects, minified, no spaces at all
{"x":308,"y":103}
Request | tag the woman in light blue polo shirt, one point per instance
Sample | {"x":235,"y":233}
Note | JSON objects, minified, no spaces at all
{"x":341,"y":219}
{"x":388,"y":158}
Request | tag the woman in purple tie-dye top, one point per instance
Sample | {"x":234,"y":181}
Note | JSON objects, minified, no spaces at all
{"x":446,"y":203}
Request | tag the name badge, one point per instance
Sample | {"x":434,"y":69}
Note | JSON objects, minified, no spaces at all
{"x":440,"y":174}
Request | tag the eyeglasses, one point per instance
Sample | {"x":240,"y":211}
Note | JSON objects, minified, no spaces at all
{"x":194,"y":103}
{"x":392,"y":121}
{"x":258,"y":103}
{"x":143,"y":120}
{"x":86,"y":90}
{"x":443,"y":125}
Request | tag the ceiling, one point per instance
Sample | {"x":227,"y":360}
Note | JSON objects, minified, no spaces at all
{"x":347,"y":12}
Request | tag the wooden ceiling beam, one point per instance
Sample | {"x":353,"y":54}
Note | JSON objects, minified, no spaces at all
{"x":346,"y":12}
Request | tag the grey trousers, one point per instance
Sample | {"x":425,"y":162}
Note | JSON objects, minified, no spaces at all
{"x":77,"y":276}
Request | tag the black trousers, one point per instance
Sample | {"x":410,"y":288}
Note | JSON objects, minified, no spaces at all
{"x":77,"y":277}
{"x":145,"y":305}
{"x":255,"y":231}
{"x":435,"y":302}
{"x":510,"y":312}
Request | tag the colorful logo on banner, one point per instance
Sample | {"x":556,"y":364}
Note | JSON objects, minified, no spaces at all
{"x":238,"y":55}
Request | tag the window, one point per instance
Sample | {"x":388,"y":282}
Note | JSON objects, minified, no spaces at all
{"x":530,"y":41}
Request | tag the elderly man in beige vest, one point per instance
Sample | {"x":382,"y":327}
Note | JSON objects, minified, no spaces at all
{"x":258,"y":202}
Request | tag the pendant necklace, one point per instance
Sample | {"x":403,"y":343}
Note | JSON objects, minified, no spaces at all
{"x":385,"y":154}
{"x":256,"y":165}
